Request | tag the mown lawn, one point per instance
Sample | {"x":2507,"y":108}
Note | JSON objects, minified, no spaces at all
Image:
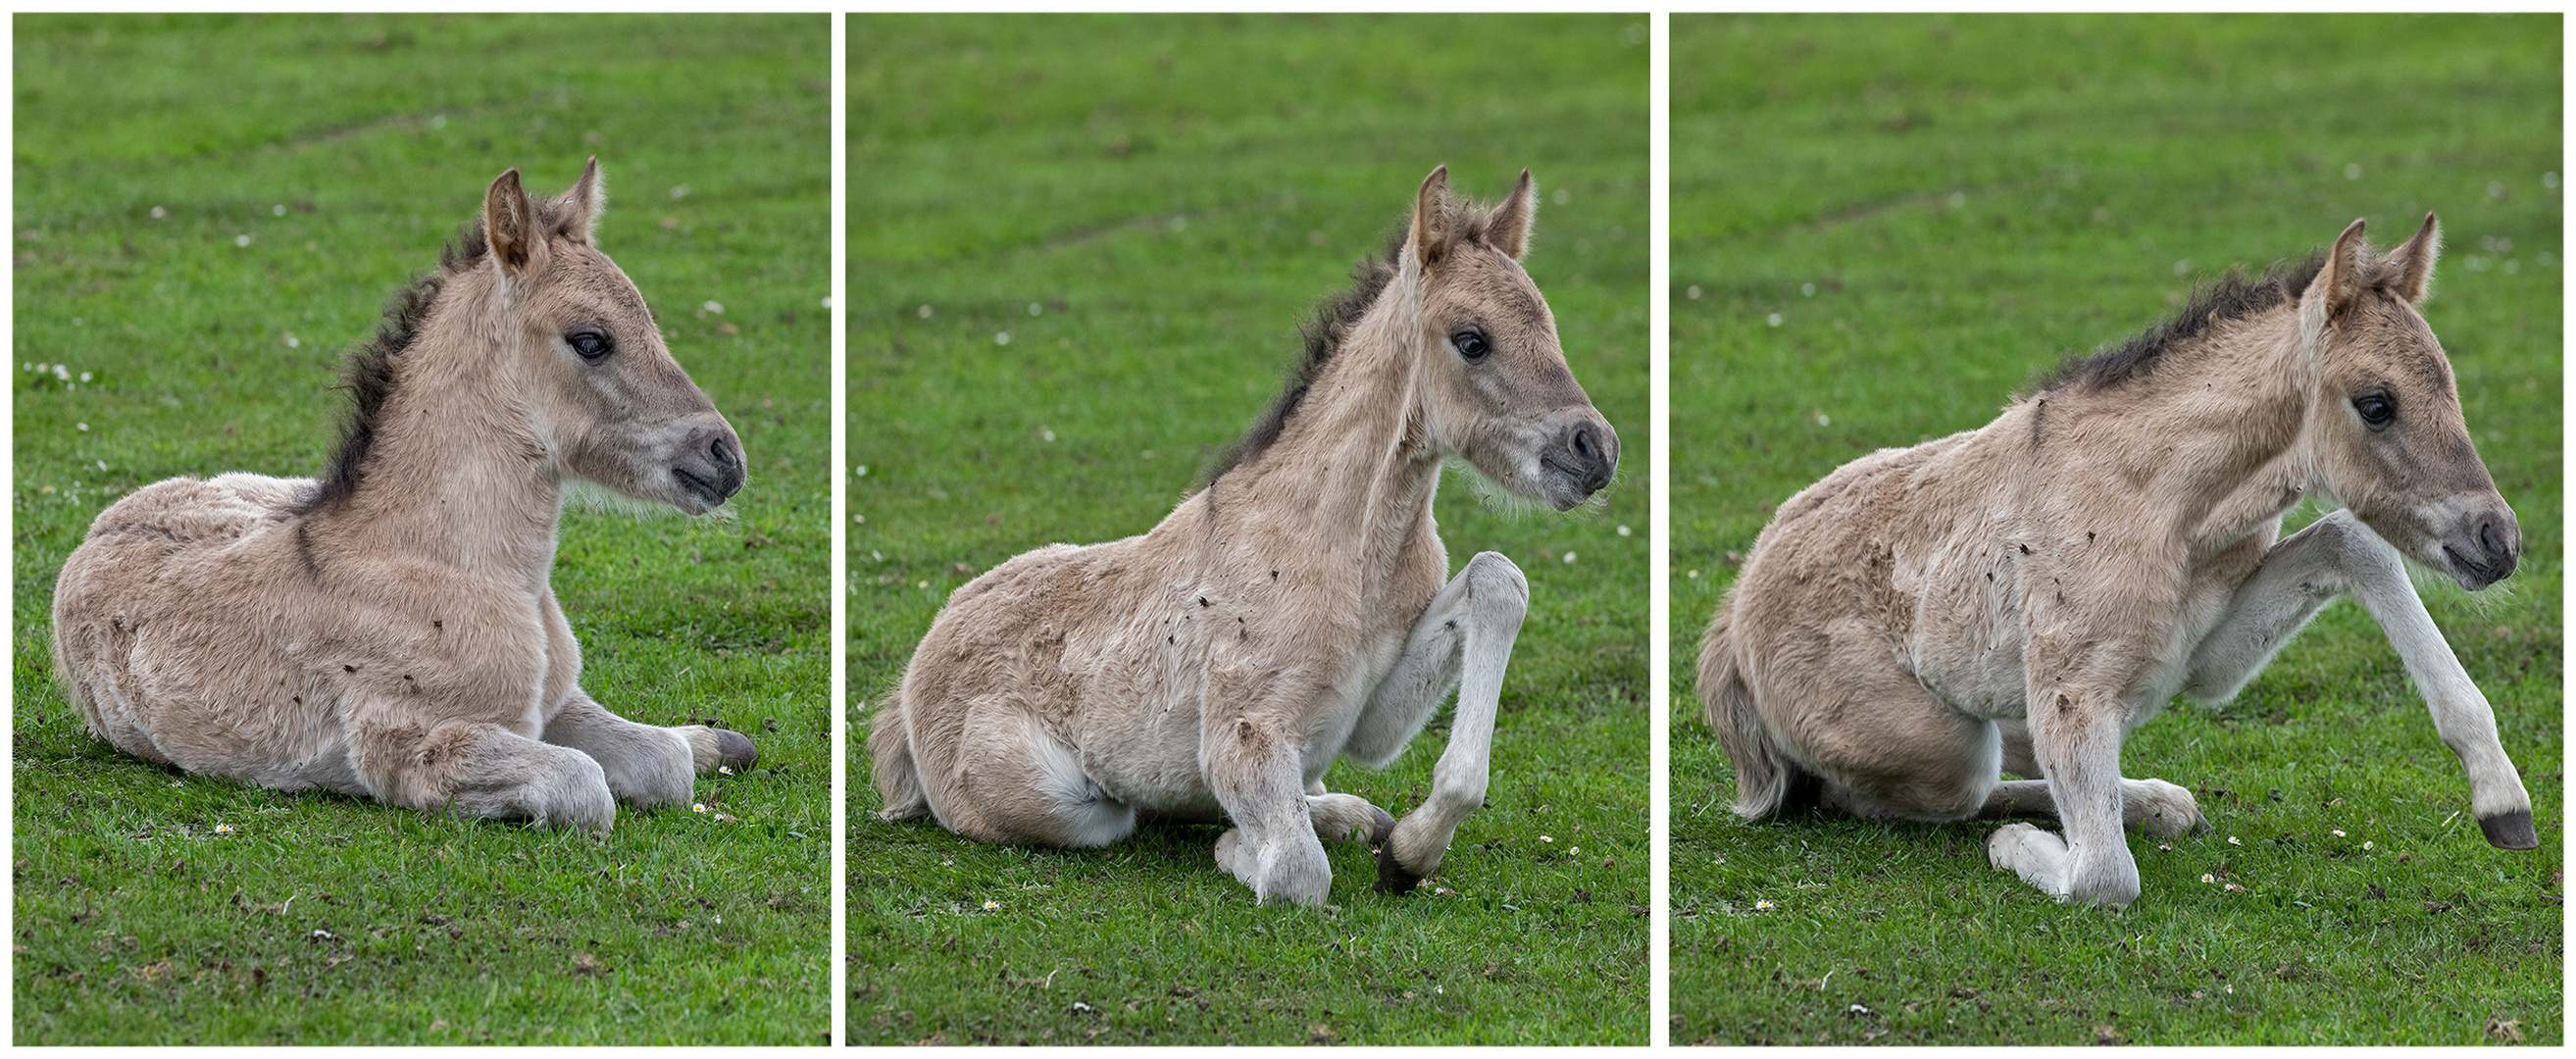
{"x":1882,"y":227}
{"x":207,"y":210}
{"x":1147,"y":208}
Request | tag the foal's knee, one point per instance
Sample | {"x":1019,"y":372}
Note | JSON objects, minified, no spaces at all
{"x":1495,"y":580}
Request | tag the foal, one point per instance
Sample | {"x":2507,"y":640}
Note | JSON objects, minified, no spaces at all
{"x":389,"y":630}
{"x":1290,"y":613}
{"x":2016,"y":598}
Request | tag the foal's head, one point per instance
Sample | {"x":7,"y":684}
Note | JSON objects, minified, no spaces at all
{"x":1498,"y":393}
{"x":609,"y":403}
{"x":2386,"y":429}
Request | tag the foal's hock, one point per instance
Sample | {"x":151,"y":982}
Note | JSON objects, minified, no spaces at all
{"x":389,"y":629}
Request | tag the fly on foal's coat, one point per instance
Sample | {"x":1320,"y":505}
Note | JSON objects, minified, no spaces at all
{"x":2016,"y":598}
{"x":389,"y":630}
{"x":1291,"y":612}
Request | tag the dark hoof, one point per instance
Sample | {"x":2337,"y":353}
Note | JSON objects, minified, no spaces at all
{"x":1392,"y":878}
{"x":734,"y":750}
{"x":2510,"y":830}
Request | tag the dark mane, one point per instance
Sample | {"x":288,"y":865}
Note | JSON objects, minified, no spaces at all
{"x":367,"y":370}
{"x":1332,"y":322}
{"x":2233,"y":297}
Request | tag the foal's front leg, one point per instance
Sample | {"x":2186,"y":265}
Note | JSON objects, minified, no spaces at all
{"x":1463,"y":640}
{"x":646,"y":764}
{"x":476,"y":768}
{"x":2338,"y":555}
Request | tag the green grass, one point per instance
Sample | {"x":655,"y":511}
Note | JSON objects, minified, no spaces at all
{"x":1171,"y":195}
{"x":346,"y":150}
{"x":1973,"y":198}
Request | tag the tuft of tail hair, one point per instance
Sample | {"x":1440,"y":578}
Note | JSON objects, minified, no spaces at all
{"x":890,"y":746}
{"x":1767,"y":782}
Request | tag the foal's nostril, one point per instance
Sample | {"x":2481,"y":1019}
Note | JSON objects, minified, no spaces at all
{"x":1586,"y":448}
{"x":721,"y":452}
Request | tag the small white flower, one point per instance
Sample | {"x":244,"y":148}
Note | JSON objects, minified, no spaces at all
{"x":724,"y":770}
{"x":223,"y":829}
{"x":1080,"y":1008}
{"x":1774,"y":318}
{"x":827,"y":301}
{"x":679,"y":191}
{"x":713,"y":306}
{"x":1623,"y":531}
{"x":1763,"y":906}
{"x":1546,"y":838}
{"x":2207,"y":877}
{"x":323,"y":934}
{"x":278,"y":210}
{"x":2366,"y":845}
{"x":1035,"y":308}
{"x":2231,"y":840}
{"x":1002,"y":338}
{"x":158,"y":213}
{"x":992,"y":906}
{"x":1047,"y":434}
{"x":84,"y":376}
{"x":1694,"y":575}
{"x":62,"y":373}
{"x":923,"y":312}
{"x":2338,"y":832}
{"x":242,"y":239}
{"x":1569,"y":558}
{"x":84,"y":427}
{"x":697,"y":807}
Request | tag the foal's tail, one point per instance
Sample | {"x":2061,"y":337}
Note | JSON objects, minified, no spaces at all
{"x":1766,"y":781}
{"x":898,"y":779}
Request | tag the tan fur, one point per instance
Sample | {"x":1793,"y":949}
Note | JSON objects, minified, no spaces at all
{"x":1276,"y":620}
{"x":401,"y":641}
{"x":2020,"y":595}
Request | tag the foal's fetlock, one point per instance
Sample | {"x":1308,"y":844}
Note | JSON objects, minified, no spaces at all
{"x":1292,"y":872}
{"x":714,"y":748}
{"x":2166,"y":810}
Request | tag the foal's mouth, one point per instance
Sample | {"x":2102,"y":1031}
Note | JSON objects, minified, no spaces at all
{"x":699,"y":488}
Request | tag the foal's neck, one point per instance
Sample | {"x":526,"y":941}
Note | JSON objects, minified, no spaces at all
{"x":458,"y":474}
{"x":2230,"y":420}
{"x":1354,"y":469}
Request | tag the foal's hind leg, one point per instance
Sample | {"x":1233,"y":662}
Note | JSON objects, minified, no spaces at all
{"x":2299,"y":576}
{"x":646,"y":764}
{"x":1016,"y":783}
{"x":1463,"y":640}
{"x":2151,"y":806}
{"x":479,"y":769}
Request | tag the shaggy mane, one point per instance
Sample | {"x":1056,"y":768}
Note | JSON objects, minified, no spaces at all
{"x":2233,"y":297}
{"x":1331,"y":324}
{"x":367,"y":370}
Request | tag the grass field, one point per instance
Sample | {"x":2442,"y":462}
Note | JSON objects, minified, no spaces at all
{"x":1882,"y":227}
{"x":207,"y":210}
{"x":1147,"y":208}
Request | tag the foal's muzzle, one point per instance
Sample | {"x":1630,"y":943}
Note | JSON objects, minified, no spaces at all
{"x":709,"y":465}
{"x":2483,"y":547}
{"x":1582,"y":461}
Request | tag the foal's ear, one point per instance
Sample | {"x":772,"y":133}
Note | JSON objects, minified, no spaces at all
{"x":1507,"y":228}
{"x":2337,"y":284}
{"x":1431,"y":229}
{"x":509,"y":223}
{"x":577,"y":211}
{"x":2411,"y":265}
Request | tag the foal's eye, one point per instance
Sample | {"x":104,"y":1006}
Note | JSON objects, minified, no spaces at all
{"x":2375,"y":407}
{"x":1470,"y":343}
{"x":592,"y":345}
